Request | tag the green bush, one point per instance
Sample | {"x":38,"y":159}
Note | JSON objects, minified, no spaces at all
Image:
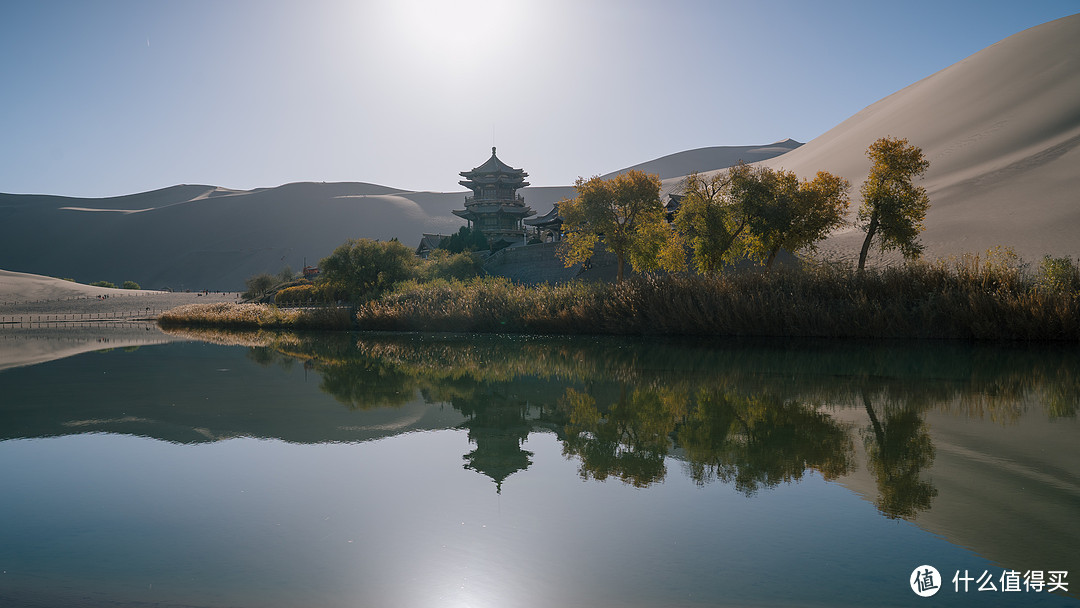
{"x":103,"y":284}
{"x":465,"y":239}
{"x":1059,"y":275}
{"x":445,"y":265}
{"x":130,"y":285}
{"x":361,"y":269}
{"x":299,"y":294}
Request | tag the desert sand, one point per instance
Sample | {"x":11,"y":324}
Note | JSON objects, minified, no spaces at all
{"x":1001,"y":130}
{"x":43,"y":318}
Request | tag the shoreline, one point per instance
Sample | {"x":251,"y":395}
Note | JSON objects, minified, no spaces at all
{"x":920,"y":303}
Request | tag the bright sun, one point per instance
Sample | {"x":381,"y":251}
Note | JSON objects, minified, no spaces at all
{"x":455,"y":33}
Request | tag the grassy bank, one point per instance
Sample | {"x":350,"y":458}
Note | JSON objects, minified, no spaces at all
{"x":970,"y":298}
{"x":228,"y":315}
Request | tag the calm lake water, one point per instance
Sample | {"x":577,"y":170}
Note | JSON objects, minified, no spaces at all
{"x":359,"y":470}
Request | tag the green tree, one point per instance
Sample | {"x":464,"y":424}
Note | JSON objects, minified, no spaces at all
{"x":259,"y":284}
{"x":465,"y":239}
{"x":104,"y":284}
{"x":711,"y":220}
{"x":784,"y":213}
{"x":445,"y":265}
{"x":130,"y":285}
{"x":286,"y":274}
{"x":625,"y":214}
{"x":893,"y":209}
{"x":360,"y":269}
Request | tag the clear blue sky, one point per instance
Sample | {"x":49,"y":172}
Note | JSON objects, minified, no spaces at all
{"x":109,"y":98}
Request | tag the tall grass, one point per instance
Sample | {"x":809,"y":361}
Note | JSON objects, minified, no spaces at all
{"x":973,"y":297}
{"x":256,"y":316}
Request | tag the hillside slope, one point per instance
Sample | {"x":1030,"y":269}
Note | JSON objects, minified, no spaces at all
{"x":703,"y":160}
{"x":1002,"y":132}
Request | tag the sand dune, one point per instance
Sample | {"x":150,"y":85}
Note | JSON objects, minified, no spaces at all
{"x":200,"y":237}
{"x":703,"y":160}
{"x":23,"y":287}
{"x":1001,"y":130}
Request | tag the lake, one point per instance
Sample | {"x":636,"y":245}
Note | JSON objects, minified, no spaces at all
{"x":265,"y":469}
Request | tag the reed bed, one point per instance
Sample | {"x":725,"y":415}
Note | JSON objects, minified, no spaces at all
{"x":958,"y":299}
{"x":991,"y":297}
{"x":257,"y":316}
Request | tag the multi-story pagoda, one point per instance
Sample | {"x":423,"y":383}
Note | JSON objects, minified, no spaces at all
{"x":495,"y":208}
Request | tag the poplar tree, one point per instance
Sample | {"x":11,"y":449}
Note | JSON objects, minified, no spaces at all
{"x":893,"y":209}
{"x":623,"y":213}
{"x":711,"y":220}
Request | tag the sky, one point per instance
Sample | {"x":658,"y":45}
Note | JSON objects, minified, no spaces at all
{"x":111,"y":98}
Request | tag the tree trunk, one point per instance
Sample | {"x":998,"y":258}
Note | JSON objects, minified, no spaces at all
{"x":879,"y":433}
{"x":619,"y":276}
{"x":870,"y":230}
{"x":772,"y":256}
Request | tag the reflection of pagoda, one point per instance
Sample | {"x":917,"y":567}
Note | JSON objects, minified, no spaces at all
{"x":495,"y":208}
{"x":498,"y":430}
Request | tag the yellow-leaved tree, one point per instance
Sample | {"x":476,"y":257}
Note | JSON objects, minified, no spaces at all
{"x":893,"y":209}
{"x":623,"y":213}
{"x":712,"y":221}
{"x":785,"y":213}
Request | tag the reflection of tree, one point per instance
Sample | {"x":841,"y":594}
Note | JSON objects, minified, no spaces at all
{"x":629,"y":440}
{"x":898,"y":449}
{"x":363,"y":384}
{"x":761,"y":441}
{"x":752,"y":442}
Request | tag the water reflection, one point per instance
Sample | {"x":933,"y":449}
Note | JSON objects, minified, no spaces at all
{"x":977,"y":445}
{"x":750,"y":414}
{"x":898,"y":448}
{"x":754,"y":414}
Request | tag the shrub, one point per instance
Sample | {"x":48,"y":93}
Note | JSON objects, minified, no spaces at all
{"x":362,"y":269}
{"x":103,"y":284}
{"x":465,"y":239}
{"x":1059,"y":275}
{"x":445,"y":265}
{"x":130,"y":285}
{"x":298,"y":294}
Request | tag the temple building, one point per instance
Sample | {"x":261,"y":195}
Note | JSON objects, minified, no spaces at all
{"x":548,"y":227}
{"x":495,"y":208}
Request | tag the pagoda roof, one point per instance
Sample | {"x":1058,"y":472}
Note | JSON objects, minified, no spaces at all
{"x":493,"y":166}
{"x":550,"y":217}
{"x":478,"y":210}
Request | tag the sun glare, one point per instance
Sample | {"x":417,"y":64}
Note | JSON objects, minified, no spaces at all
{"x":460,"y":33}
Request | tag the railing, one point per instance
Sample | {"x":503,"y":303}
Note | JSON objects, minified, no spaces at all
{"x":97,"y":319}
{"x":471,"y":200}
